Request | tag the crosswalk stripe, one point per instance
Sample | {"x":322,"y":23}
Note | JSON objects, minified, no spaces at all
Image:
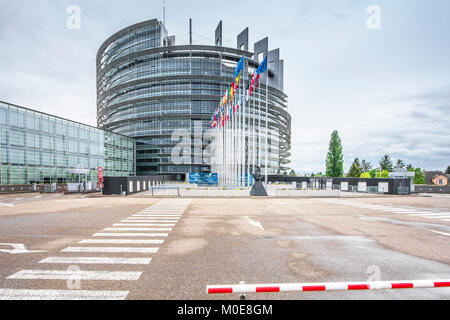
{"x":137,"y":229}
{"x":437,"y":216}
{"x":26,"y":294}
{"x":135,"y":234}
{"x":75,"y":275}
{"x":149,"y":221}
{"x":120,"y":241}
{"x":142,"y":225}
{"x":110,"y":249}
{"x":431,"y":214}
{"x":153,"y":218}
{"x":159,"y":216}
{"x":95,"y":260}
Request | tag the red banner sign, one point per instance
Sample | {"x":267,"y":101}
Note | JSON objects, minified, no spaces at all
{"x":100,"y":178}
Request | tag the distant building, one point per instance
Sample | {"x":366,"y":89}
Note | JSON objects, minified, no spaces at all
{"x":437,"y":178}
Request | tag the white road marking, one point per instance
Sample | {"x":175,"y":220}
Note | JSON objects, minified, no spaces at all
{"x":254,"y":223}
{"x":110,"y":249}
{"x":159,"y":216}
{"x":140,"y":234}
{"x":95,"y":260}
{"x":120,"y":241}
{"x":17,"y":248}
{"x":153,"y":218}
{"x":142,"y":225}
{"x":138,"y":229}
{"x":75,"y":275}
{"x":24,"y":294}
{"x":2,"y":204}
{"x":149,"y":221}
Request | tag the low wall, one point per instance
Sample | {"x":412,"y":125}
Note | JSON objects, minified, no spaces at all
{"x":431,"y":189}
{"x":28,"y":188}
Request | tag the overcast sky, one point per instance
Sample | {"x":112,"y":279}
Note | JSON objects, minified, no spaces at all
{"x":387,"y":91}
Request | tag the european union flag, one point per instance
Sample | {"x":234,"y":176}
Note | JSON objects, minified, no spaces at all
{"x":262,"y":67}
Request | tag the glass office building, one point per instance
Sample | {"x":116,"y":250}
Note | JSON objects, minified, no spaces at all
{"x":148,"y":88}
{"x":41,"y":148}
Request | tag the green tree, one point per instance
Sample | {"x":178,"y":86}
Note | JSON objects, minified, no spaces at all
{"x":355,"y":170}
{"x":386,"y":163}
{"x":384,"y":174}
{"x":365,"y":175}
{"x":409,"y":167}
{"x":419,"y":177}
{"x":448,"y":170}
{"x":366,"y":166}
{"x":292,"y":172}
{"x":400,"y":164}
{"x":373,"y":173}
{"x":335,"y":157}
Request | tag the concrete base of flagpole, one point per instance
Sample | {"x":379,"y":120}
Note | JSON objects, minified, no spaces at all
{"x":258,"y":190}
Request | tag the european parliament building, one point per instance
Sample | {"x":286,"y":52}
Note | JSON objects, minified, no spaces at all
{"x":148,"y":87}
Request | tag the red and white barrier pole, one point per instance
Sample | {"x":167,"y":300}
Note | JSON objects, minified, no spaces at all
{"x":327,"y":286}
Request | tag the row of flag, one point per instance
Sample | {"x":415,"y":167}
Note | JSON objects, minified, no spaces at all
{"x":222,"y":115}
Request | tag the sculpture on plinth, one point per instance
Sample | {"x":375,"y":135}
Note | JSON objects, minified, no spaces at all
{"x":258,"y":189}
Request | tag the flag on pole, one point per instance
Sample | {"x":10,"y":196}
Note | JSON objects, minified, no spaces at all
{"x":262,"y":67}
{"x":239,"y":67}
{"x":252,"y":84}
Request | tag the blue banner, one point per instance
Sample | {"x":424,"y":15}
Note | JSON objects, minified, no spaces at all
{"x":206,"y":179}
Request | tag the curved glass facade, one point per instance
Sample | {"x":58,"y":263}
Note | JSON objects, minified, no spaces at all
{"x":147,"y":88}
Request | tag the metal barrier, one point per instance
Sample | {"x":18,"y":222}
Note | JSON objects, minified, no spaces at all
{"x":328,"y":286}
{"x":403,"y":190}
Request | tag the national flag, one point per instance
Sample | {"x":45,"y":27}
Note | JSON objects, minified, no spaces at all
{"x":237,"y":80}
{"x":253,"y":83}
{"x":239,"y":67}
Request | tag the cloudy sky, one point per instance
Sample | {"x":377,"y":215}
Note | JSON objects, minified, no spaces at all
{"x":387,"y":91}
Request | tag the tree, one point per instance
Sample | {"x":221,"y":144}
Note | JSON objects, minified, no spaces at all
{"x":366,"y":166}
{"x":448,"y":170}
{"x":365,"y":175}
{"x":373,"y":173}
{"x":292,"y":172}
{"x":384,"y":174}
{"x":386,"y":163}
{"x":409,"y":167}
{"x":419,"y":177}
{"x":355,"y":170}
{"x":335,"y":157}
{"x":400,"y":164}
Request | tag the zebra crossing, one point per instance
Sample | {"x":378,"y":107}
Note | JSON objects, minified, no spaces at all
{"x":410,"y":211}
{"x":148,"y":227}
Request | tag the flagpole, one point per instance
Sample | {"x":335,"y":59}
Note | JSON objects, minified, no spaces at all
{"x":267,"y":126}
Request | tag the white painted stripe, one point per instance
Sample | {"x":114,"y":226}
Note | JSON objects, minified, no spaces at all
{"x":95,"y":260}
{"x":437,"y":216}
{"x":75,"y":275}
{"x":110,"y":249}
{"x":25,"y":294}
{"x":153,"y":218}
{"x":120,"y":241}
{"x":138,"y":229}
{"x":149,"y":221}
{"x":140,"y":234}
{"x":159,"y":216}
{"x":143,"y":225}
